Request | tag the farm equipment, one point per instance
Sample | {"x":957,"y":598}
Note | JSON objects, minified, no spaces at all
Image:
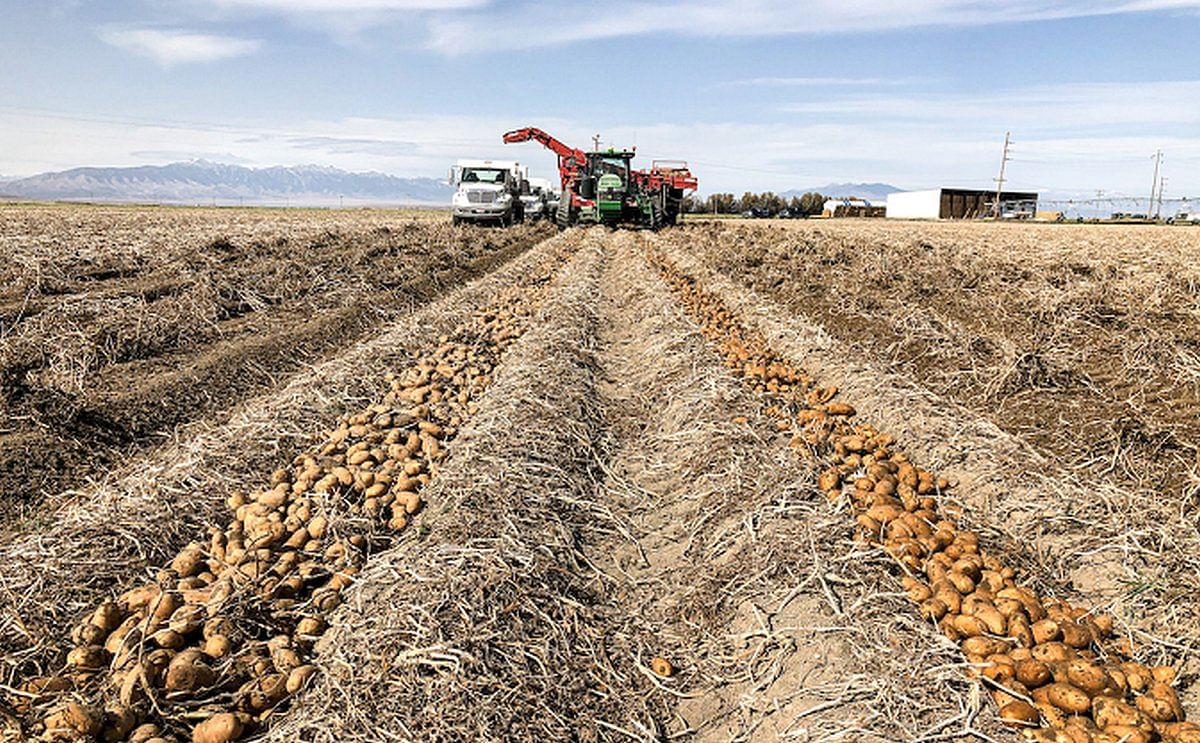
{"x":601,"y":187}
{"x":488,"y":191}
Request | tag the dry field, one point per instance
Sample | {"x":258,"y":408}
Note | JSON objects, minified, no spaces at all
{"x":117,"y":325}
{"x":836,"y":482}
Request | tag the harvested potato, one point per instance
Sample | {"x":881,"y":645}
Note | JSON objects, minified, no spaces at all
{"x":662,"y":667}
{"x":1020,"y":714}
{"x":220,"y":728}
{"x":1068,"y":698}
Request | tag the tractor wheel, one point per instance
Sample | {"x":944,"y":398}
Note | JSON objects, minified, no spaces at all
{"x":563,"y":216}
{"x":658,"y":217}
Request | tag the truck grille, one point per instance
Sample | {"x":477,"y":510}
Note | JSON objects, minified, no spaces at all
{"x":481,"y":197}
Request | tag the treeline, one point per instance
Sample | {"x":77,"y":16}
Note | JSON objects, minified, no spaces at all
{"x":810,"y":204}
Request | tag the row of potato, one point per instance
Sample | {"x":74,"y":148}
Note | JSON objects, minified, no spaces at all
{"x":215,"y":645}
{"x":1055,"y":671}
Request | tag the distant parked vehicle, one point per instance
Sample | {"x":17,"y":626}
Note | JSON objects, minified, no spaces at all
{"x":758,"y":212}
{"x":536,"y":201}
{"x":1185,"y":218}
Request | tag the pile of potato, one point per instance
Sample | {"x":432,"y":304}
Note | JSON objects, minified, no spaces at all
{"x":226,"y":632}
{"x":1054,"y":670}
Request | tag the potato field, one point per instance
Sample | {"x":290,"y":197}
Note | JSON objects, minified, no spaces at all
{"x":364,"y":476}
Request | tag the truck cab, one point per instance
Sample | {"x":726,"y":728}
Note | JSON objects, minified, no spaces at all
{"x":488,"y":191}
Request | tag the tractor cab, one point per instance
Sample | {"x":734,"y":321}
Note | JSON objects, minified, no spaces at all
{"x":607,"y":180}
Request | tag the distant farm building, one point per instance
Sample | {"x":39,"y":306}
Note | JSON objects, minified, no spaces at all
{"x":960,"y":203}
{"x":852,"y":208}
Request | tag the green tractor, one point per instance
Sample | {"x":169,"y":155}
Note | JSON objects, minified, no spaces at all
{"x":601,"y":187}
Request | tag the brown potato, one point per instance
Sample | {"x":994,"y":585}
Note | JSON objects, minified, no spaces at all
{"x":1019,"y":630}
{"x":662,"y":667}
{"x":950,"y":597}
{"x":1137,"y":676}
{"x":1045,"y":630}
{"x":1052,"y":652}
{"x":1125,"y":734}
{"x":983,"y":646}
{"x":144,"y":733}
{"x":1087,"y":676}
{"x":1020,"y":714}
{"x":87,"y":658}
{"x":1032,"y":673}
{"x":220,"y":728}
{"x":992,"y":619}
{"x":107,"y":616}
{"x":1054,"y":716}
{"x":188,"y":671}
{"x":1068,"y":698}
{"x":1180,"y":732}
{"x":968,"y":626}
{"x":1074,"y":634}
{"x":298,"y":677}
{"x":1107,"y":711}
{"x":962,"y":583}
{"x":933,"y":609}
{"x":1160,"y":703}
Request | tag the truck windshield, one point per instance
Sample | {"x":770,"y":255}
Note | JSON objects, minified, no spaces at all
{"x":483,"y":175}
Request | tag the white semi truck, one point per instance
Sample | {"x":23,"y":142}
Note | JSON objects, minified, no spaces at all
{"x":488,"y":191}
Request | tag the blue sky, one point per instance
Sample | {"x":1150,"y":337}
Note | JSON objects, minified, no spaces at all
{"x":769,"y":94}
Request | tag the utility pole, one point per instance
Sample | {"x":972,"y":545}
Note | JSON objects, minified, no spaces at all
{"x":1154,"y":183}
{"x":596,"y":143}
{"x":1162,"y":183}
{"x":1000,"y":180}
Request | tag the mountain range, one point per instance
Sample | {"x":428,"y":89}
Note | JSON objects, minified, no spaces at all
{"x":204,"y":182}
{"x":869,"y":191}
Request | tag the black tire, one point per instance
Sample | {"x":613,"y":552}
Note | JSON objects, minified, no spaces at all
{"x":562,"y":217}
{"x":456,"y":220}
{"x":658,"y":216}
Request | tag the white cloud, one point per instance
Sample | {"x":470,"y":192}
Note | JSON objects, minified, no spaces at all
{"x":170,"y":47}
{"x":508,"y":27}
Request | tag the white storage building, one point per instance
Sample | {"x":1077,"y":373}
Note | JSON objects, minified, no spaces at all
{"x":958,"y":203}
